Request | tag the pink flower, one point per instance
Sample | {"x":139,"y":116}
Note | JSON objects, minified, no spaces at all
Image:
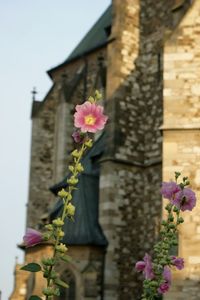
{"x":185,"y":199}
{"x":163,"y":288}
{"x":178,"y":262}
{"x":169,"y":189}
{"x":32,"y":237}
{"x":89,"y":117}
{"x":146,"y":267}
{"x":78,"y":137}
{"x":140,"y":265}
{"x":167,"y":276}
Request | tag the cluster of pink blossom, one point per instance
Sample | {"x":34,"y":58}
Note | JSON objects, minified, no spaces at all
{"x":182,"y":198}
{"x":146,"y":267}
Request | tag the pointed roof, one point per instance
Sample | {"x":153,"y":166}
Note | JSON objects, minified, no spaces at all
{"x":96,"y":38}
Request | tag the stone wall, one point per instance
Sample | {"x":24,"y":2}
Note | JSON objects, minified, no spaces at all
{"x":131,"y":172}
{"x":182,"y":137}
{"x":42,"y":153}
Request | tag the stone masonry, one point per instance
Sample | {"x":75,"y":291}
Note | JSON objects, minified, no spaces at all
{"x":182,"y":139}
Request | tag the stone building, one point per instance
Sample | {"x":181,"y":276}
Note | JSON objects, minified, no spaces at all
{"x":144,"y":56}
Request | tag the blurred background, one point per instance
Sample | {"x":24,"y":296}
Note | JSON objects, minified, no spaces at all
{"x":35,"y":36}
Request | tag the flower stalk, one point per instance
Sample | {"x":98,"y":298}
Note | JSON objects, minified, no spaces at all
{"x":88,"y":118}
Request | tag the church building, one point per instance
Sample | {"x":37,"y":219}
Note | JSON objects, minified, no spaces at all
{"x":144,"y":57}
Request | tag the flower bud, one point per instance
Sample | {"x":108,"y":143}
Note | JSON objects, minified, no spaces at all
{"x":98,"y":95}
{"x":48,"y":261}
{"x":71,"y":168}
{"x":89,"y":143}
{"x":58,"y":222}
{"x":61,"y":248}
{"x":72,"y":180}
{"x":60,"y":233}
{"x":75,"y":153}
{"x":180,"y":220}
{"x":49,"y":227}
{"x":70,"y":210}
{"x":62,"y":193}
{"x":79,"y":167}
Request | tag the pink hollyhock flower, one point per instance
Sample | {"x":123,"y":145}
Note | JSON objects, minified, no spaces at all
{"x":89,"y":117}
{"x":78,"y":137}
{"x":163,"y":288}
{"x":185,"y":199}
{"x":167,"y":276}
{"x":140,"y":265}
{"x":146,"y":267}
{"x":178,"y":262}
{"x":169,"y":189}
{"x":32,"y":237}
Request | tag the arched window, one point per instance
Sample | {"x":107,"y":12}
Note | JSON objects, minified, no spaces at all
{"x":69,"y":293}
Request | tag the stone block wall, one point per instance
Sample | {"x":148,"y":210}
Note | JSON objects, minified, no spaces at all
{"x":42,"y":153}
{"x":181,"y":145}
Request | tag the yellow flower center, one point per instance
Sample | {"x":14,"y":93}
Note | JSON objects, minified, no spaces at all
{"x":90,"y":120}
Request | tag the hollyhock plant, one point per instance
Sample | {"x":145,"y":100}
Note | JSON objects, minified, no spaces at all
{"x":185,"y":199}
{"x":89,"y":117}
{"x":157,"y":270}
{"x":169,"y":189}
{"x":178,"y":262}
{"x":32,"y":237}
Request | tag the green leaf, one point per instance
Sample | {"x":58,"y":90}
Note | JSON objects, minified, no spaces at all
{"x":61,"y":283}
{"x":66,"y":258}
{"x":32,"y":267}
{"x":34,"y":297}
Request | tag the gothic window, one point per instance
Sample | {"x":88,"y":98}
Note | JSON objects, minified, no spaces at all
{"x":69,"y":293}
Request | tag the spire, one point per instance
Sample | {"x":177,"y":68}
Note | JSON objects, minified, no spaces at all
{"x":34,"y":92}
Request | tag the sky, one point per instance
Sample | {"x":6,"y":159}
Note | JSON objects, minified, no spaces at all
{"x":35,"y":36}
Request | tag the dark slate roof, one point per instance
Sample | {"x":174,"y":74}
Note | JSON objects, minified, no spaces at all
{"x":85,"y":230}
{"x":96,"y":37}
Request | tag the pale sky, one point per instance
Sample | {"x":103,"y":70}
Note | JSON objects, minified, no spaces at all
{"x":35,"y":36}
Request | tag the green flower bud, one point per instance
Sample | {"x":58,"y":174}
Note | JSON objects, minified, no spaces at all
{"x":171,"y":218}
{"x":50,"y":291}
{"x":88,"y":143}
{"x":70,"y":210}
{"x":180,"y":220}
{"x":172,"y":226}
{"x":80,"y":168}
{"x":71,"y":168}
{"x":176,"y":209}
{"x":72,"y":180}
{"x":60,"y":233}
{"x":177,"y":174}
{"x":75,"y":153}
{"x":48,"y":261}
{"x":62,"y":193}
{"x":49,"y":227}
{"x":98,"y":95}
{"x":61,"y":248}
{"x":46,"y":236}
{"x":58,"y":222}
{"x":168,"y":207}
{"x":91,"y":99}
